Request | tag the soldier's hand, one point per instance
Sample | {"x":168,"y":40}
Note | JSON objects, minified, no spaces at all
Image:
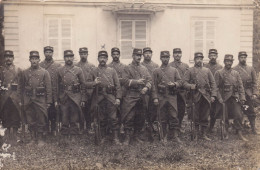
{"x":82,"y":104}
{"x":156,"y":102}
{"x":144,"y":90}
{"x":212,"y":99}
{"x":48,"y":105}
{"x":254,"y":97}
{"x":97,"y":80}
{"x":141,"y":81}
{"x":117,"y":102}
{"x":20,"y":104}
{"x":193,"y":87}
{"x":56,"y":104}
{"x":171,"y":84}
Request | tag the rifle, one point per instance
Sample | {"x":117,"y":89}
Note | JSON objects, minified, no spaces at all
{"x":192,"y":123}
{"x":22,"y":111}
{"x":58,"y":118}
{"x":97,"y":121}
{"x":223,"y":122}
{"x":159,"y":123}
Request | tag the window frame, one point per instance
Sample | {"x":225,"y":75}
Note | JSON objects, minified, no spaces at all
{"x":59,"y":55}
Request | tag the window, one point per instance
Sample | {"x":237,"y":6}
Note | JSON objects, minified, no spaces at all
{"x":203,"y":36}
{"x":59,"y":35}
{"x":133,"y":34}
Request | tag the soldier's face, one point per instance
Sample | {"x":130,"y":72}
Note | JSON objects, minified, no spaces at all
{"x":34,"y":61}
{"x":102,"y":60}
{"x":177,"y":56}
{"x":198,"y":61}
{"x":83,"y":56}
{"x":165,"y":60}
{"x":9,"y":60}
{"x":148,"y":55}
{"x":48,"y":54}
{"x":115,"y":56}
{"x":242,"y":59}
{"x":137,"y":58}
{"x":68,"y":60}
{"x":228,"y":63}
{"x":213,"y":57}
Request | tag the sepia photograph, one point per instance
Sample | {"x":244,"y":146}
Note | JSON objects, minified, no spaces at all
{"x":130,"y":84}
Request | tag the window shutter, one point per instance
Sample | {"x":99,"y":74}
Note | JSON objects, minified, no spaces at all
{"x":53,"y":35}
{"x":65,"y":34}
{"x":126,"y":38}
{"x":210,"y":35}
{"x":140,"y":34}
{"x":198,"y":36}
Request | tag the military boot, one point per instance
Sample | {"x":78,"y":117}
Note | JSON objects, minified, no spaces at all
{"x":127,"y":137}
{"x":115,"y":137}
{"x":252,"y":123}
{"x":103,"y":136}
{"x":41,"y":142}
{"x":33,"y":138}
{"x":176,"y":137}
{"x":211,"y":125}
{"x":165,"y":134}
{"x":239,"y":132}
{"x":204,"y":134}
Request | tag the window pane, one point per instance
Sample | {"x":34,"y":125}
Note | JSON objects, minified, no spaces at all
{"x":210,"y":33}
{"x":55,"y":45}
{"x":140,"y":30}
{"x":66,"y":28}
{"x":66,"y":44}
{"x":126,"y":49}
{"x":198,"y":46}
{"x":210,"y":44}
{"x":126,"y":30}
{"x":198,"y":30}
{"x":53,"y":28}
{"x":140,"y":44}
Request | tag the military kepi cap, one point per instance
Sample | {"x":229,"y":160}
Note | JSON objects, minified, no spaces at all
{"x":147,"y":49}
{"x":8,"y":53}
{"x":83,"y":50}
{"x":242,"y":53}
{"x":228,"y":57}
{"x":198,"y":54}
{"x":34,"y":54}
{"x":48,"y":48}
{"x":102,"y":53}
{"x":68,"y":53}
{"x":165,"y":54}
{"x":214,"y":51}
{"x":137,"y":51}
{"x":176,"y":50}
{"x":115,"y":49}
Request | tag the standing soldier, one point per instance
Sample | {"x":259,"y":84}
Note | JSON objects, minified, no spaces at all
{"x":249,"y":79}
{"x":107,"y":98}
{"x":87,"y":69}
{"x":213,"y":66}
{"x":151,"y":66}
{"x":138,"y":82}
{"x":51,"y":66}
{"x":230,"y":87}
{"x":10,"y":79}
{"x":37,"y":98}
{"x":166,"y":81}
{"x":70,"y":95}
{"x":201,"y":80}
{"x":181,"y":95}
{"x":119,"y":67}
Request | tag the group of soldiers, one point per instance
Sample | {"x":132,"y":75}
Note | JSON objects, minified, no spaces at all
{"x":130,"y":99}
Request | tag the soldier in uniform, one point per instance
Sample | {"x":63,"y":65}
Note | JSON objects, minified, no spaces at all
{"x":107,"y":97}
{"x":213,"y":66}
{"x":70,"y":95}
{"x":181,"y":96}
{"x":166,"y":81}
{"x":87,"y":68}
{"x":201,"y":80}
{"x":138,"y":83}
{"x":232,"y":93}
{"x":151,"y":66}
{"x":51,"y":66}
{"x":119,"y":67}
{"x":37,"y":98}
{"x":249,"y":79}
{"x":10,"y":81}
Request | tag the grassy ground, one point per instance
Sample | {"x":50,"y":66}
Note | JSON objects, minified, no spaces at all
{"x":83,"y":154}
